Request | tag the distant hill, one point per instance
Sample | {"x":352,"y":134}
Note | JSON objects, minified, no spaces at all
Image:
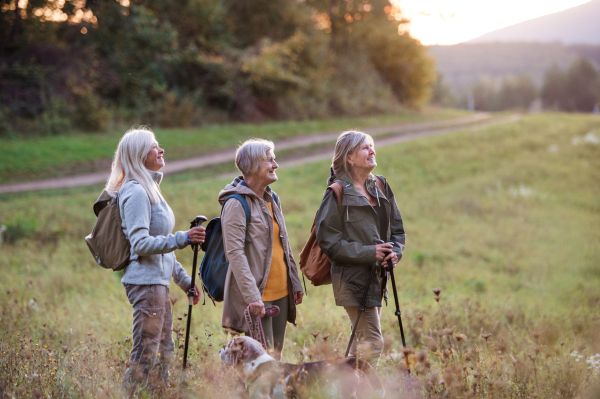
{"x":462,"y":65}
{"x":577,"y":25}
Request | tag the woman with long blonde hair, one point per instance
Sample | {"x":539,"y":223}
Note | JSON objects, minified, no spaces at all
{"x":148,"y":222}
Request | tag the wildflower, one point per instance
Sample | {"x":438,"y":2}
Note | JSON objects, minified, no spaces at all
{"x":408,"y":351}
{"x":437,"y":298}
{"x":315,"y":334}
{"x":81,"y":342}
{"x":437,"y":291}
{"x":432,"y":344}
{"x":325,"y":337}
{"x":486,"y":336}
{"x":469,"y":355}
{"x":460,"y":337}
{"x":448,"y":331}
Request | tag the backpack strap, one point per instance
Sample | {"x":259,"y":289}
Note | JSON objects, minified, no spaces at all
{"x":244,"y":203}
{"x":339,"y":194}
{"x":275,"y":198}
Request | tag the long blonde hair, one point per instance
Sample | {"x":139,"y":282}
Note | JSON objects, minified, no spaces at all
{"x":346,"y":144}
{"x":128,"y":163}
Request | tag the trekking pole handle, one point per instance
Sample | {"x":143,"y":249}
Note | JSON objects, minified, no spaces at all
{"x":389,"y":261}
{"x":198,"y":220}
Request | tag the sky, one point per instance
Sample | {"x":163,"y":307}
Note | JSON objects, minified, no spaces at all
{"x":456,"y":21}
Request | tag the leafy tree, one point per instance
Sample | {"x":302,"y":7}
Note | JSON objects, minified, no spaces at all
{"x":553,"y":87}
{"x":516,"y":92}
{"x":579,"y":89}
{"x":65,"y":64}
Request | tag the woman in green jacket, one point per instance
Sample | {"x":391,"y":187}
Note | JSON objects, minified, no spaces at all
{"x":368,"y":213}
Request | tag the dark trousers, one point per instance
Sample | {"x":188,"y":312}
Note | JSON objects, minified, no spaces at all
{"x":274,"y":327}
{"x":152,"y":336}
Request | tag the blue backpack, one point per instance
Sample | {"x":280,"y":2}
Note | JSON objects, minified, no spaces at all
{"x":214,"y":266}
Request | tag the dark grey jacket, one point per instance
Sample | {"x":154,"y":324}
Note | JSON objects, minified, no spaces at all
{"x":347,"y":240}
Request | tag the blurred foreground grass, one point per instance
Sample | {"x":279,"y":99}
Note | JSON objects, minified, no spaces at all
{"x":506,"y":221}
{"x":76,"y":153}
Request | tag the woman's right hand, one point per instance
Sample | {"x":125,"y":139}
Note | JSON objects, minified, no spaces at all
{"x":257,"y":308}
{"x":197,"y":234}
{"x":381,"y":250}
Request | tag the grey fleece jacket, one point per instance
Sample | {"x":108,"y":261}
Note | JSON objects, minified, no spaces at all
{"x":148,"y":228}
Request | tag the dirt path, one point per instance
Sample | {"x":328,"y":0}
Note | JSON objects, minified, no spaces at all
{"x":390,"y":135}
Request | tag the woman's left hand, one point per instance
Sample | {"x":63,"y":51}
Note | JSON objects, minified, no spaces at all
{"x":298,"y":297}
{"x":196,"y":297}
{"x":393,"y":256}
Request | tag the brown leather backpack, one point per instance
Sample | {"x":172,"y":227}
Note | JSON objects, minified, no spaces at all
{"x":314,"y":264}
{"x":107,"y":243}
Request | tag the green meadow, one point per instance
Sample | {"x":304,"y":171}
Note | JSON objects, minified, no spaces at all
{"x":504,"y":220}
{"x":75,"y":153}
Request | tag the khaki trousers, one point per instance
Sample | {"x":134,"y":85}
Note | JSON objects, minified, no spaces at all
{"x":368,"y":341}
{"x":153,"y":344}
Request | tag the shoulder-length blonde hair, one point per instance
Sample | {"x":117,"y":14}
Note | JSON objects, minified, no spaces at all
{"x":128,"y":163}
{"x":346,"y":144}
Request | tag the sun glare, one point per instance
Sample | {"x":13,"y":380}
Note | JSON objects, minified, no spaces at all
{"x":450,"y":22}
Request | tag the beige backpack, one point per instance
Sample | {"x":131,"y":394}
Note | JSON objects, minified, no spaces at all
{"x":107,"y":243}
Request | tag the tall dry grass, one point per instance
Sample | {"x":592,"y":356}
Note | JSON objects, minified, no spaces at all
{"x":504,"y":221}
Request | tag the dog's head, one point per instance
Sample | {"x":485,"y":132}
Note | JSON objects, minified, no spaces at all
{"x":241,"y":350}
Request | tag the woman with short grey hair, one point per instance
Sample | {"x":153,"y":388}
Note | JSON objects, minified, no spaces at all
{"x":147,"y":222}
{"x":262,"y":271}
{"x":369,"y":213}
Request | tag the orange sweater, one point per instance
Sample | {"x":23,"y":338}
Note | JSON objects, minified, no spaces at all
{"x":277,"y":281}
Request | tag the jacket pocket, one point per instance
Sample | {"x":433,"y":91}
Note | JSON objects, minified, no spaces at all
{"x":353,"y":214}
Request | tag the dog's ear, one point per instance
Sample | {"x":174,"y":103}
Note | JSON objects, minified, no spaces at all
{"x":252,"y":349}
{"x":237,"y":350}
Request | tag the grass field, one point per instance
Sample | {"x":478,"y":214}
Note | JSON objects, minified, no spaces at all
{"x":505,"y":220}
{"x":41,"y":157}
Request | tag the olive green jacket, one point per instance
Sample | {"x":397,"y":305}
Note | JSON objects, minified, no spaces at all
{"x":347,"y":240}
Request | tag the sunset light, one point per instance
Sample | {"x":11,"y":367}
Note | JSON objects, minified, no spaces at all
{"x":450,"y":22}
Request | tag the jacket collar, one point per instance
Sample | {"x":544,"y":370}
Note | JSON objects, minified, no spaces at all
{"x":156,"y":176}
{"x":239,"y":186}
{"x":354,"y":198}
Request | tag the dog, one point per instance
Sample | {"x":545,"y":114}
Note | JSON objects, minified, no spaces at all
{"x":267,"y":378}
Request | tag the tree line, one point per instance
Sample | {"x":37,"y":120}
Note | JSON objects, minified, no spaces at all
{"x":575,"y":89}
{"x":87,"y":64}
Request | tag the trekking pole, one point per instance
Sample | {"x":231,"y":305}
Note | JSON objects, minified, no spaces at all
{"x":397,"y":312}
{"x":195,"y":223}
{"x":361,"y":309}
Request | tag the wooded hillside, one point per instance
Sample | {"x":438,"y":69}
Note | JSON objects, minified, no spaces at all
{"x":83,"y":64}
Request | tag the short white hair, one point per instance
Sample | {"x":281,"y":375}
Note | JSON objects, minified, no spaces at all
{"x":251,"y":153}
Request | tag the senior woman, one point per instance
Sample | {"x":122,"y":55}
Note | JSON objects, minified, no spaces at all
{"x":368,"y":213}
{"x":148,"y":221}
{"x":262,"y":271}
